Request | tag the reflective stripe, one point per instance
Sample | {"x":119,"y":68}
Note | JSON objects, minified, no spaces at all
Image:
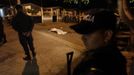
{"x":93,"y":69}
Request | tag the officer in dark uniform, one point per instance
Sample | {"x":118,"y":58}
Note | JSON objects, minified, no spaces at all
{"x":2,"y":34}
{"x":102,"y":56}
{"x":23,"y":24}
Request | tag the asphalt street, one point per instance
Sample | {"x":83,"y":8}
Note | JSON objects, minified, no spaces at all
{"x":51,"y":49}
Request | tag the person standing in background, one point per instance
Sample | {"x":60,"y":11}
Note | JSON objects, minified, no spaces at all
{"x":2,"y":34}
{"x":23,"y":24}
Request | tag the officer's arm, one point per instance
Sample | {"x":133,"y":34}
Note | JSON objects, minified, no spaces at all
{"x":14,"y":24}
{"x":31,"y":23}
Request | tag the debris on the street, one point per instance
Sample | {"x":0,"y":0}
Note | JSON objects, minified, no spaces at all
{"x":58,"y":31}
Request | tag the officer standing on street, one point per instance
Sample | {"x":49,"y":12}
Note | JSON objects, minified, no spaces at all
{"x":23,"y":24}
{"x":2,"y":34}
{"x":101,"y":56}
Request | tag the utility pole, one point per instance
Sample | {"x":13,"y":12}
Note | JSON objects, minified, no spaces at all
{"x":11,"y":7}
{"x":41,"y":12}
{"x":18,"y":2}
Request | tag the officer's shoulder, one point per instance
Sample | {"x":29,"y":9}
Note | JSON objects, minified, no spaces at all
{"x":94,"y":52}
{"x":99,"y":53}
{"x":28,"y":16}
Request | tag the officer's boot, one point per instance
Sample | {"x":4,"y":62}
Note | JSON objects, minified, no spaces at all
{"x":4,"y":39}
{"x":28,"y":57}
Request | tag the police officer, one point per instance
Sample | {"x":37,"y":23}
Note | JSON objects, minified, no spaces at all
{"x":101,"y":56}
{"x":2,"y":34}
{"x":23,"y":24}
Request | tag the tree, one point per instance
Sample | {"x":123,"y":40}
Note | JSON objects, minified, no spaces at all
{"x":88,"y":4}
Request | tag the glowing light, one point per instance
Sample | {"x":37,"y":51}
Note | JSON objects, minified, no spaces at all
{"x":1,"y":13}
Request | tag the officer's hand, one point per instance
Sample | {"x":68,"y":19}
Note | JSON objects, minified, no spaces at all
{"x":24,"y":33}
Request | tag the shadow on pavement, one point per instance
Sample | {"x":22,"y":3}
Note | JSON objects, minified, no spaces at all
{"x":31,"y":68}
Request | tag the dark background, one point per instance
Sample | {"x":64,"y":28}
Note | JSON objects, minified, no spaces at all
{"x":112,"y":4}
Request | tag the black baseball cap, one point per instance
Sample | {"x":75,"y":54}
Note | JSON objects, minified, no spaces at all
{"x":102,"y":19}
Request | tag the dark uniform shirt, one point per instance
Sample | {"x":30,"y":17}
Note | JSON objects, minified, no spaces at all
{"x":22,"y":22}
{"x":102,"y":61}
{"x":1,"y":24}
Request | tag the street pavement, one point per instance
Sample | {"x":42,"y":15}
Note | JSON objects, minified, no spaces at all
{"x":51,"y":51}
{"x":50,"y":47}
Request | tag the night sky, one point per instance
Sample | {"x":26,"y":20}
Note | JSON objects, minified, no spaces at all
{"x":38,"y":2}
{"x":47,"y":3}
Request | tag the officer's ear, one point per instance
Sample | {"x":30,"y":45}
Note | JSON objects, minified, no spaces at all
{"x":108,"y":35}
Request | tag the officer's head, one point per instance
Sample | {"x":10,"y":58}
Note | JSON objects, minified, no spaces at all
{"x":19,"y":8}
{"x":98,"y":30}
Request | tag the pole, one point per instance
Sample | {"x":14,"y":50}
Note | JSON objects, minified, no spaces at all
{"x":11,"y":8}
{"x":18,"y":2}
{"x":69,"y":61}
{"x":120,"y":8}
{"x":41,"y":12}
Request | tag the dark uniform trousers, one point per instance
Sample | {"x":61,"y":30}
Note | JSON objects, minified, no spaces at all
{"x":27,"y":43}
{"x":2,"y":36}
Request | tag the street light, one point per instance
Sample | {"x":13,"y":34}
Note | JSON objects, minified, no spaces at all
{"x":1,"y":12}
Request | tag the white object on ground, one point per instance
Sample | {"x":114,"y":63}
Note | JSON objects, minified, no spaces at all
{"x":58,"y":31}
